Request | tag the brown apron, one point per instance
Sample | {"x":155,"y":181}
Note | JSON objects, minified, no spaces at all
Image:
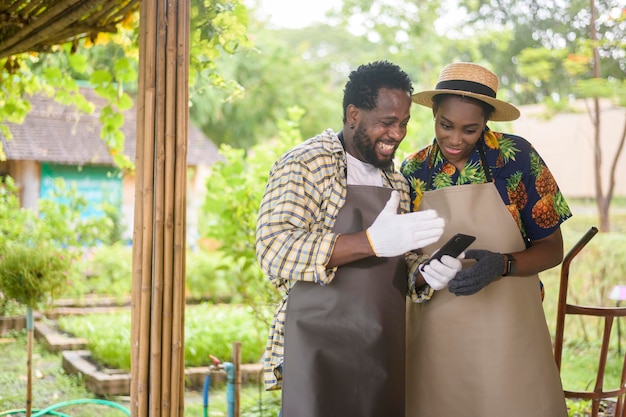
{"x":345,"y":341}
{"x":487,"y":354}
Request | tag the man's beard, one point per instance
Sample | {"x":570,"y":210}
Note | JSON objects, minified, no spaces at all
{"x":367,"y":149}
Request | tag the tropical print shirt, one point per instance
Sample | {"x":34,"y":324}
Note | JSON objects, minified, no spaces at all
{"x":522,"y":179}
{"x":294,"y":239}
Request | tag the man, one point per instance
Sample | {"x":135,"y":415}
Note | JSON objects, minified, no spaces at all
{"x":329,"y":235}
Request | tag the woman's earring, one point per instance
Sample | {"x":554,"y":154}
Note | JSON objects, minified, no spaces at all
{"x":352,"y":126}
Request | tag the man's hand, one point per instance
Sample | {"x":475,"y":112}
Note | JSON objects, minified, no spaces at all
{"x":437,"y":274}
{"x":394,"y":234}
{"x":469,"y":281}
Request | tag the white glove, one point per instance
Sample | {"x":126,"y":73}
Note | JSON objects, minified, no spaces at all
{"x":394,"y":234}
{"x":437,"y":274}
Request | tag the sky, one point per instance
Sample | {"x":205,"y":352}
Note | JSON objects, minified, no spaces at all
{"x":300,"y":13}
{"x":292,"y":13}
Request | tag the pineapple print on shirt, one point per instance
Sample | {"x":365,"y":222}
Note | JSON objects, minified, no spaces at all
{"x":549,"y":209}
{"x":526,"y":185}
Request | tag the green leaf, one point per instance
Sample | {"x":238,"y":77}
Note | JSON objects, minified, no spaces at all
{"x":124,"y":102}
{"x":100,"y":78}
{"x":124,"y":70}
{"x":78,"y":62}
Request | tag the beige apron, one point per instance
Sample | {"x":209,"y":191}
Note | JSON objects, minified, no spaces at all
{"x":488,"y":354}
{"x":345,"y":341}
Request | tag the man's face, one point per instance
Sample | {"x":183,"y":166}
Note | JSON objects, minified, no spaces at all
{"x":380,"y":131}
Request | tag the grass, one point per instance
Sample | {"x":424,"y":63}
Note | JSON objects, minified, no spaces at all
{"x":50,"y":384}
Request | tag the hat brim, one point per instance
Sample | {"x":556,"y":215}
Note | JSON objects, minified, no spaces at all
{"x":504,"y":112}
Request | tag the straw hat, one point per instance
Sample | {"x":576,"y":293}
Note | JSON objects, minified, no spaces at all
{"x":470,"y":80}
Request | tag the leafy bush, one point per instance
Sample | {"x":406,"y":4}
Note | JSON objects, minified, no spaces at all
{"x":212,"y":329}
{"x":15,"y":222}
{"x":234,"y":191}
{"x":61,"y":221}
{"x":209,"y":330}
{"x":107,"y":271}
{"x":208,"y":277}
{"x":37,"y":249}
{"x":33,"y":275}
{"x":10,"y":307}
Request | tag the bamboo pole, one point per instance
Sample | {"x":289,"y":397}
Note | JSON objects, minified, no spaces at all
{"x":156,"y":332}
{"x":138,"y":220}
{"x":158,"y":337}
{"x":143,"y":213}
{"x":180,"y":179}
{"x":169,"y":129}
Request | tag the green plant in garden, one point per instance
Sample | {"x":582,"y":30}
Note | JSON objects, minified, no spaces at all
{"x":107,"y":272}
{"x":33,"y":275}
{"x":209,"y":330}
{"x":234,"y":191}
{"x":62,"y":222}
{"x":208,"y":277}
{"x":578,"y":408}
{"x":37,"y":249}
{"x":14,"y":220}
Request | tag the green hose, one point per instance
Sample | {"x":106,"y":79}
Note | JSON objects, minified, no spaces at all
{"x":23,"y":411}
{"x":50,"y":410}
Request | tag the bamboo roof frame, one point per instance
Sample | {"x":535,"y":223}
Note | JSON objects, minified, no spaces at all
{"x":38,"y":25}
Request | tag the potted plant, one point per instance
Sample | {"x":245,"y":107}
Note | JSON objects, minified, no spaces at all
{"x":31,"y":275}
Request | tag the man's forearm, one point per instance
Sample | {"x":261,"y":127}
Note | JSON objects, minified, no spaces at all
{"x":349,"y":248}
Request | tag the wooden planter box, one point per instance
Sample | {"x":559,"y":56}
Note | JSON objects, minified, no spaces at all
{"x":105,"y":382}
{"x":12,"y":323}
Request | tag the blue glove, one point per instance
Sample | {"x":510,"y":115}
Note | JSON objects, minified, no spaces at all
{"x":488,"y":267}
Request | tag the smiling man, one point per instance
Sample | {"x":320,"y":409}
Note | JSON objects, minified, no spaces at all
{"x":335,"y":234}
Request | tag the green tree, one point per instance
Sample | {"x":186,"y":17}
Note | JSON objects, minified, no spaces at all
{"x":559,"y":27}
{"x":562,"y":52}
{"x":271,"y":78}
{"x":109,"y":63}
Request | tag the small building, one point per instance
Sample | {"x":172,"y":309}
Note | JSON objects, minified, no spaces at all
{"x":58,"y":141}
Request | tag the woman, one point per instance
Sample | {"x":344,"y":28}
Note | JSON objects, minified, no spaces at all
{"x":482,"y":348}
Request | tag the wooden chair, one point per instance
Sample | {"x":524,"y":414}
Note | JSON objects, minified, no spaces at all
{"x":608,"y":314}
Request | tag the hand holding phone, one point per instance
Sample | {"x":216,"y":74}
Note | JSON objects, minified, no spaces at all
{"x":453,"y":247}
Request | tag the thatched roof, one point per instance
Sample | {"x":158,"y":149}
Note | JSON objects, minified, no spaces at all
{"x":37,"y":25}
{"x":52,"y":132}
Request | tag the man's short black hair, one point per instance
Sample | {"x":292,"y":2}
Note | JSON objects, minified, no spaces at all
{"x":363,"y":84}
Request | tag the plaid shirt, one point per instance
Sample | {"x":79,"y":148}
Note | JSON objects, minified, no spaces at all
{"x":294,"y":239}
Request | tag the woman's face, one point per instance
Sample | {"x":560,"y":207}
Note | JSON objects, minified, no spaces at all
{"x":459,"y":124}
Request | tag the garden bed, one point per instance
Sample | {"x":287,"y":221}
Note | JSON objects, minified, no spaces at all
{"x":55,"y":340}
{"x":104,"y":382}
{"x":17,"y":322}
{"x":12,"y":323}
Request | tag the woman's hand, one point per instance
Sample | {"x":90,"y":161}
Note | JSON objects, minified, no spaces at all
{"x":488,"y":267}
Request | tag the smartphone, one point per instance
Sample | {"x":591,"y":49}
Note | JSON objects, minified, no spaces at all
{"x":453,"y":247}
